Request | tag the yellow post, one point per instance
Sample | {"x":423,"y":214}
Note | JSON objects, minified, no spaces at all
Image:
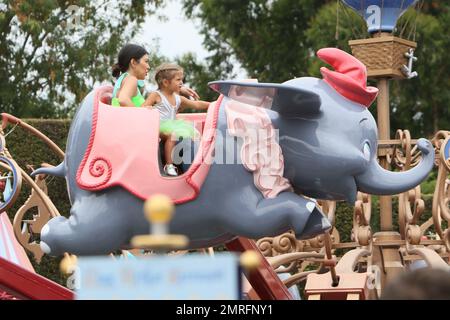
{"x":159,"y":210}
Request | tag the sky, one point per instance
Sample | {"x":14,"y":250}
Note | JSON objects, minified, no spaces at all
{"x":177,"y":35}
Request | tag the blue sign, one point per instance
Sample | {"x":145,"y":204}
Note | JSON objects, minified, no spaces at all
{"x":380,"y":15}
{"x":190,"y":277}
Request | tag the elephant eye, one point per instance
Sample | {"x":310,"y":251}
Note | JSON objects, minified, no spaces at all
{"x":366,"y":151}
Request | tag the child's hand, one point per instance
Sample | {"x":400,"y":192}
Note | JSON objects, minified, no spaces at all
{"x":188,"y":92}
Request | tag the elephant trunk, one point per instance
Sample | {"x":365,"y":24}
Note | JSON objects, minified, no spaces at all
{"x":377,"y":180}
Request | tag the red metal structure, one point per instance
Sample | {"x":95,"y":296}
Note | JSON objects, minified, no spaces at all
{"x":18,"y":281}
{"x":264,"y":280}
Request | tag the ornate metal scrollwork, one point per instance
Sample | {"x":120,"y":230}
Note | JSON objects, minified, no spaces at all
{"x":406,"y":155}
{"x":411,"y":205}
{"x":441,"y":197}
{"x":287,"y":243}
{"x":361,"y":232}
{"x":282,"y":244}
{"x":286,"y":247}
{"x":265,"y":246}
{"x":24,"y":230}
{"x":413,"y":234}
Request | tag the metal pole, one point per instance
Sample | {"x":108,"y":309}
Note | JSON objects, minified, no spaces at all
{"x":384,"y":134}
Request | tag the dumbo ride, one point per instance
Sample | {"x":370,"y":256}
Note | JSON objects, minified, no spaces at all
{"x":308,"y":136}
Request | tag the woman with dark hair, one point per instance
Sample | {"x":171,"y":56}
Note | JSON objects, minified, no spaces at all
{"x":131,"y":71}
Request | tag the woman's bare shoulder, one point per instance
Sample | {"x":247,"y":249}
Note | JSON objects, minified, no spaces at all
{"x":130,"y":80}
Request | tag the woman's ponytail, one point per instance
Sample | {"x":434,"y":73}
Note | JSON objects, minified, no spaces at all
{"x":116,"y":70}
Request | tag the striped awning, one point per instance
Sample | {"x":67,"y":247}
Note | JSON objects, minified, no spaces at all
{"x":10,"y":249}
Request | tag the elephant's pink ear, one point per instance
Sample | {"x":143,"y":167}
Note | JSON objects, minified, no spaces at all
{"x":349,"y":77}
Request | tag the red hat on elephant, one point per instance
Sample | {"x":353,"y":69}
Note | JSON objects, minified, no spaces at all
{"x":350,"y":77}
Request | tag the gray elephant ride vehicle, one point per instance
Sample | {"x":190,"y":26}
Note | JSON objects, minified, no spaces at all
{"x":266,"y":153}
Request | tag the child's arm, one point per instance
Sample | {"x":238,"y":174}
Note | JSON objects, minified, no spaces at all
{"x":189,"y":104}
{"x":127,"y":91}
{"x":152,"y":99}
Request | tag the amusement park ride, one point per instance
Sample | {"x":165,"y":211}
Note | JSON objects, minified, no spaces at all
{"x":278,"y":200}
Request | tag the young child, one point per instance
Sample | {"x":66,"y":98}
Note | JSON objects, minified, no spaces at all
{"x":131,"y":71}
{"x":168,"y":101}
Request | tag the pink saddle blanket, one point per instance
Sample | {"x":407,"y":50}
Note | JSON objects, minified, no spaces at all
{"x":123,"y":151}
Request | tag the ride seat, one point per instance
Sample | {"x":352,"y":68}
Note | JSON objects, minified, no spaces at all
{"x":198,"y":120}
{"x":120,"y":152}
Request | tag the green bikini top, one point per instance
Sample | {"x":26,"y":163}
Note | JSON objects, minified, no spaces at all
{"x":138,"y":100}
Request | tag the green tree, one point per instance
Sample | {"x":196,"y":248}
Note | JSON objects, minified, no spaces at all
{"x":52,"y":52}
{"x":276,"y":40}
{"x":420,"y":104}
{"x":265,"y":36}
{"x":198,"y":75}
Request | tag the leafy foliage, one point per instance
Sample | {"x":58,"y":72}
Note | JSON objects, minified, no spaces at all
{"x":52,"y":52}
{"x":266,"y":37}
{"x":198,"y":75}
{"x":275,"y":41}
{"x":420,"y":104}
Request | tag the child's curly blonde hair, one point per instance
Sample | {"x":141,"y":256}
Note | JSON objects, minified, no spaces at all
{"x":166,"y":71}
